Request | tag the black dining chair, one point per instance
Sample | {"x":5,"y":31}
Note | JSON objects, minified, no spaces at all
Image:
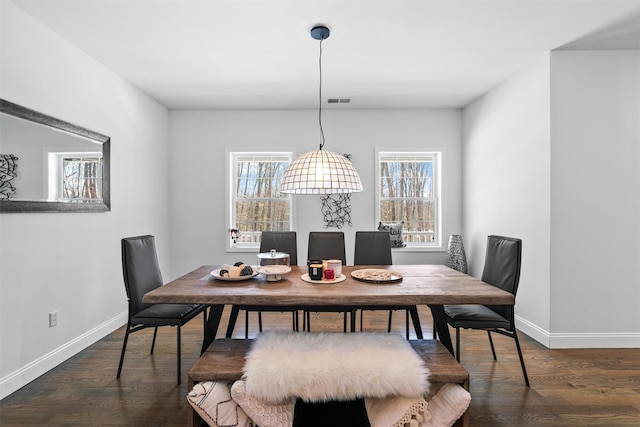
{"x":501,"y":269}
{"x":141,"y":274}
{"x":374,"y":248}
{"x":281,"y":241}
{"x":324,"y":245}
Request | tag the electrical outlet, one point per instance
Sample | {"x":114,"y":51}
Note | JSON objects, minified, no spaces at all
{"x":53,"y":319}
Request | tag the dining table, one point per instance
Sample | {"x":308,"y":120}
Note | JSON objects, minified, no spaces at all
{"x":432,"y":285}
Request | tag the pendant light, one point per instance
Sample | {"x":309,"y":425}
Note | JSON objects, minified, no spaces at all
{"x":321,"y":171}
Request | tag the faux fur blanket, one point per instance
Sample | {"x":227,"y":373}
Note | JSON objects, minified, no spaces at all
{"x":320,"y":367}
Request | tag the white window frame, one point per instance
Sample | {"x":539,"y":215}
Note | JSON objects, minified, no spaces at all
{"x":55,"y":181}
{"x":232,"y":163}
{"x":437,"y":158}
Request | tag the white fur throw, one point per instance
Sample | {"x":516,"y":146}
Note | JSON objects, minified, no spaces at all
{"x":329,"y":366}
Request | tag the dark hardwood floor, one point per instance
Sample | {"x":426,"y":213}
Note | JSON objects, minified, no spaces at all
{"x":568,"y":387}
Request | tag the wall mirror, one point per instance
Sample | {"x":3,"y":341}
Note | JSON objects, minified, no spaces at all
{"x":49,"y":165}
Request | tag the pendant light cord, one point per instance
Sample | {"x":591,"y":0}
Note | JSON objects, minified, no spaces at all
{"x":320,"y":98}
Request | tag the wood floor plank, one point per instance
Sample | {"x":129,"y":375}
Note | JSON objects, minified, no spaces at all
{"x":595,"y":387}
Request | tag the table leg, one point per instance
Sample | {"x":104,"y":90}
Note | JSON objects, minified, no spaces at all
{"x":440,"y":322}
{"x":235,"y":309}
{"x":211,"y":327}
{"x":413,"y":311}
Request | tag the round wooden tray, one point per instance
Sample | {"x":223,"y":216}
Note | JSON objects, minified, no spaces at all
{"x":376,"y":275}
{"x":338,"y":279}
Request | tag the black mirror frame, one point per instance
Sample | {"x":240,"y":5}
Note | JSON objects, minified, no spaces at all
{"x":19,"y":111}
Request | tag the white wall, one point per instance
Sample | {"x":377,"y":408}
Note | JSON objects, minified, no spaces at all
{"x":199,"y":140}
{"x":70,"y":262}
{"x":595,"y":198}
{"x":506,"y":190}
{"x":553,"y":156}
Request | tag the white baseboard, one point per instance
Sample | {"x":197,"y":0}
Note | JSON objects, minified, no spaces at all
{"x":579,"y":339}
{"x":23,"y":376}
{"x":596,"y":340}
{"x":533,"y":330}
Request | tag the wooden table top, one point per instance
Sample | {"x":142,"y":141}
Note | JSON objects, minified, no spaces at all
{"x":421,"y":284}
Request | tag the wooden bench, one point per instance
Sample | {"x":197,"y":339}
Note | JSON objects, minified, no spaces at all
{"x":224,"y":360}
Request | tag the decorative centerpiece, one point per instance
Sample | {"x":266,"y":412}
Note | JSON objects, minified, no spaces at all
{"x":238,"y":269}
{"x":235,"y":272}
{"x":273,"y":264}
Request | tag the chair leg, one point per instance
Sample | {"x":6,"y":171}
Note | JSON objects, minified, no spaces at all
{"x":294,"y":319}
{"x":153,"y":343}
{"x":390,"y":319}
{"x":124,"y":348}
{"x":260,"y":321}
{"x":524,"y":369}
{"x":458,"y":344}
{"x":179,"y":354}
{"x":246,"y":324}
{"x":361,"y":311}
{"x":232,"y":320}
{"x":353,"y":320}
{"x":345,"y":322}
{"x":493,"y":349}
{"x":435,"y":332}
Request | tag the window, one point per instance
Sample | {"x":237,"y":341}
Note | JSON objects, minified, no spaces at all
{"x":408,"y":189}
{"x":75,"y":177}
{"x":256,"y":203}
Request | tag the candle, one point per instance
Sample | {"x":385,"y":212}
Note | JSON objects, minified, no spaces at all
{"x":328,"y":274}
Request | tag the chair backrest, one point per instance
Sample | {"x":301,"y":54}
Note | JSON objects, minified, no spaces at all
{"x":140,"y":270}
{"x":281,"y":241}
{"x":502,"y":268}
{"x":326,"y":245}
{"x":372,"y":248}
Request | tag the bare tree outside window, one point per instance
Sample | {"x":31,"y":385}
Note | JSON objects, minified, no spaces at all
{"x":408,"y":192}
{"x":257,"y":203}
{"x":81,"y":179}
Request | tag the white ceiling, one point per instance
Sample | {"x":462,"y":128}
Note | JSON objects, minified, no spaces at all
{"x":381,"y":54}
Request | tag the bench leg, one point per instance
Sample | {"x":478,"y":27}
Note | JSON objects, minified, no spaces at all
{"x":195,"y":420}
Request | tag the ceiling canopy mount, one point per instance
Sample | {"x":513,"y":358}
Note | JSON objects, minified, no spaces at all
{"x":320,"y":32}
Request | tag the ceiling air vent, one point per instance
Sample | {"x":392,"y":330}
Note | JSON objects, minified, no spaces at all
{"x":338,"y":100}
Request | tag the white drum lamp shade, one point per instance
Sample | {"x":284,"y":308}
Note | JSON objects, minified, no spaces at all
{"x":321,"y":172}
